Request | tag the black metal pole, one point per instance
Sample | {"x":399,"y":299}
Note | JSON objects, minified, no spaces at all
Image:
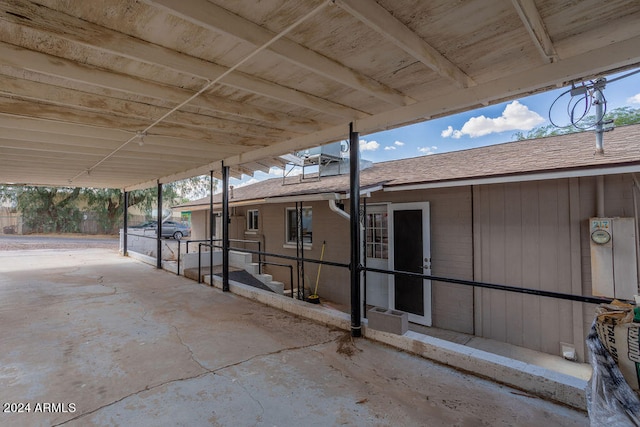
{"x":125,"y":224}
{"x":211,"y":219}
{"x":364,"y":258}
{"x":354,"y":211}
{"x":159,"y":228}
{"x":225,"y":228}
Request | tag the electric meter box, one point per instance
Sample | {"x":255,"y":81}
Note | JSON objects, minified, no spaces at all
{"x":614,"y":272}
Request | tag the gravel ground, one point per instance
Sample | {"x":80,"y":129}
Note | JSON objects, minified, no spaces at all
{"x":13,"y":242}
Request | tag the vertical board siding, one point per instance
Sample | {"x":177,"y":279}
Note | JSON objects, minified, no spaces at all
{"x":515,"y":322}
{"x":526,"y":226}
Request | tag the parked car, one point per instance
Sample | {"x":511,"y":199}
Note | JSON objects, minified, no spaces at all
{"x":174,"y":229}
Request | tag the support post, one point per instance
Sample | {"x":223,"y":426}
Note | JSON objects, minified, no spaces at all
{"x":354,"y":211}
{"x":225,"y":228}
{"x":159,"y":228}
{"x":125,"y":224}
{"x":211,"y":221}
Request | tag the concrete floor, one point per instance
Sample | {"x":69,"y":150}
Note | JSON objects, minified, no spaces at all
{"x":113,"y":341}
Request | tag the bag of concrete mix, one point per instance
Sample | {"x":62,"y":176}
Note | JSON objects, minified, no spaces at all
{"x":612,"y":397}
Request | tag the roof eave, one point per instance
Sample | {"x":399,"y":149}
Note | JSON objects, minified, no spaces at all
{"x":501,"y":179}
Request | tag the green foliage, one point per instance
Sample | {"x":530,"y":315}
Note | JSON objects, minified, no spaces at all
{"x":49,"y":210}
{"x":621,"y":116}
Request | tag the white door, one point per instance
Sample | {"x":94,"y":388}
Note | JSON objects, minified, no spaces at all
{"x":410,"y":251}
{"x":377,"y":255}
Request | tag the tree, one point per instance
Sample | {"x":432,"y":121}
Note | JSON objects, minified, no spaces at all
{"x":621,"y":116}
{"x":49,"y":209}
{"x":108,"y":203}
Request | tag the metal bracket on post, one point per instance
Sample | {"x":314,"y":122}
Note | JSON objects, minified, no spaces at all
{"x":354,"y":202}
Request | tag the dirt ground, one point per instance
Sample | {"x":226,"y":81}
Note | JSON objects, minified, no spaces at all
{"x":16,"y":242}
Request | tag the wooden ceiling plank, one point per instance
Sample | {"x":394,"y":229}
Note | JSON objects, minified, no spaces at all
{"x":375,"y":16}
{"x":206,"y":14}
{"x":42,"y":63}
{"x":535,"y":27}
{"x":70,"y":115}
{"x":599,"y":37}
{"x":40,"y":19}
{"x":45,"y":93}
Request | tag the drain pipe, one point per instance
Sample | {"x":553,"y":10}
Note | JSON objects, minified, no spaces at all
{"x":336,"y":209}
{"x":600,"y":196}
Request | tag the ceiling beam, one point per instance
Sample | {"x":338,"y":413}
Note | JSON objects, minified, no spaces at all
{"x":13,"y":61}
{"x":208,"y":15}
{"x":122,"y":45}
{"x":45,"y":93}
{"x":535,"y":27}
{"x":375,"y":16}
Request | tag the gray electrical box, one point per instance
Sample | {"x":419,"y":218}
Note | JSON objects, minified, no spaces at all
{"x":614,"y":270}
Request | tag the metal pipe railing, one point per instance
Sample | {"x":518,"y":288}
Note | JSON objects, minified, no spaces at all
{"x":289,"y":266}
{"x":486,"y":285}
{"x":506,"y":288}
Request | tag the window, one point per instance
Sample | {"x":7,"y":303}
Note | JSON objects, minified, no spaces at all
{"x":252,"y":220}
{"x":292,"y":225}
{"x":377,"y":242}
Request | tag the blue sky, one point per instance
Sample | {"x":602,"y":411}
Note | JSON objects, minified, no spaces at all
{"x":485,"y":126}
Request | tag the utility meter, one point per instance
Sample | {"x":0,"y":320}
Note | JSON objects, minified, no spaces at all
{"x":601,"y":230}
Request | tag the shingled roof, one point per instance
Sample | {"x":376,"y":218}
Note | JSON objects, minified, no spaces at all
{"x":572,"y":152}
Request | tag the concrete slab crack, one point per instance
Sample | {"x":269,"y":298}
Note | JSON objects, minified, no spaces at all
{"x":202,"y":374}
{"x":188,"y":347}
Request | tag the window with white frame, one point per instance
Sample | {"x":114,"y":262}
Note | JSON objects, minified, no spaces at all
{"x":292,"y":225}
{"x":252,"y":220}
{"x":377,"y":237}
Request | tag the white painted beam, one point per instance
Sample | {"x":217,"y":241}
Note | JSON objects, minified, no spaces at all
{"x":206,"y":14}
{"x":535,"y":27}
{"x":376,"y":17}
{"x":114,"y":43}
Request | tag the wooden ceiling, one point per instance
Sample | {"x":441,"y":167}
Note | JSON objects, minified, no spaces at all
{"x":122,"y":93}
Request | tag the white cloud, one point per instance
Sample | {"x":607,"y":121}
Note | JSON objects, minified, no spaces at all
{"x":398,"y":143}
{"x":389,"y":147}
{"x":450,"y":133}
{"x":635,"y":99}
{"x":369,"y":146}
{"x":427,"y":150}
{"x":514,"y":117}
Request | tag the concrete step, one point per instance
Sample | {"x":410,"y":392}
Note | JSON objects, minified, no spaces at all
{"x":264,"y":278}
{"x":277,"y":287}
{"x":252,"y":268}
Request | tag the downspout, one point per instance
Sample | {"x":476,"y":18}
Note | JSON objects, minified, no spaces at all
{"x":336,"y":209}
{"x":600,"y":196}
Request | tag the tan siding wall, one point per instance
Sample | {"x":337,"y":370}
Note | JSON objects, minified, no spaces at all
{"x":524,"y":234}
{"x":535,"y":235}
{"x":451,"y":252}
